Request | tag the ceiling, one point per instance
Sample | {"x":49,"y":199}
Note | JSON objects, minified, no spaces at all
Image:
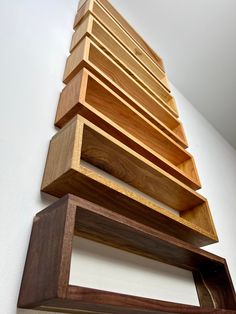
{"x":197,"y":40}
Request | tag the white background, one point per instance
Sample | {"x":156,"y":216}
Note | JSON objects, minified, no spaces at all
{"x":35,"y":38}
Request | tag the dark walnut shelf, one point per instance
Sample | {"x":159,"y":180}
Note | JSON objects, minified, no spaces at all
{"x":45,"y":284}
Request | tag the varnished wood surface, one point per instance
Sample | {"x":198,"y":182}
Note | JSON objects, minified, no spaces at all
{"x":130,"y":221}
{"x":98,"y":223}
{"x":129,"y":29}
{"x":46,"y":255}
{"x":91,"y":27}
{"x":91,"y":301}
{"x":91,"y":98}
{"x":65,"y":173}
{"x":112,"y":26}
{"x":88,"y":54}
{"x":81,"y":4}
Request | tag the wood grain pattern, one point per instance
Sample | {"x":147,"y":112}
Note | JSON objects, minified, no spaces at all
{"x":83,"y":218}
{"x":66,"y":171}
{"x":112,"y":26}
{"x":130,"y":30}
{"x":88,"y":54}
{"x":91,"y":98}
{"x":39,"y":254}
{"x":81,"y":4}
{"x":152,"y":161}
{"x":120,"y":55}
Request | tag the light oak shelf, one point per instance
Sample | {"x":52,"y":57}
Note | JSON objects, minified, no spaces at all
{"x":129,"y":29}
{"x":65,"y":173}
{"x":95,"y":101}
{"x":88,"y":54}
{"x":93,"y":7}
{"x":54,"y":228}
{"x":92,"y":28}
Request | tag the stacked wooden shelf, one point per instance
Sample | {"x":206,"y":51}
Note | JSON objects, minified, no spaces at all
{"x":94,"y":8}
{"x":98,"y":34}
{"x":126,"y":26}
{"x":122,"y":147}
{"x":90,"y":56}
{"x":88,"y":96}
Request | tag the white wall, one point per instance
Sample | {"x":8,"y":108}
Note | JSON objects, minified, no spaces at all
{"x":35,"y":37}
{"x":216,"y":163}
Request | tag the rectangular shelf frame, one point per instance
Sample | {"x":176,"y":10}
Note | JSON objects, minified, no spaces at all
{"x":90,"y":97}
{"x":66,"y":171}
{"x":92,"y":28}
{"x":101,"y":14}
{"x":88,"y":54}
{"x":48,"y":288}
{"x":130,"y":221}
{"x":128,"y":29}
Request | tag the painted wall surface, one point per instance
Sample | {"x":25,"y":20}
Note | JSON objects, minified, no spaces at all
{"x":35,"y":38}
{"x":216,"y":163}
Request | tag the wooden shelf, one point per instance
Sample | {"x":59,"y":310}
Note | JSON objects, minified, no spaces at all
{"x":92,"y":28}
{"x":125,"y":152}
{"x":94,"y":8}
{"x":88,"y":54}
{"x":45,"y":284}
{"x":80,"y":144}
{"x":95,"y":101}
{"x":129,"y":29}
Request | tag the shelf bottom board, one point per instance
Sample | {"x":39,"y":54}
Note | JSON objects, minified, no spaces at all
{"x":92,"y":301}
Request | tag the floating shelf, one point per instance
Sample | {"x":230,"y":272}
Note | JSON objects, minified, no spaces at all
{"x":126,"y":26}
{"x":45,"y":284}
{"x":88,"y":96}
{"x":88,"y":54}
{"x":80,"y":143}
{"x":92,"y":28}
{"x":102,"y":15}
{"x":125,"y":152}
